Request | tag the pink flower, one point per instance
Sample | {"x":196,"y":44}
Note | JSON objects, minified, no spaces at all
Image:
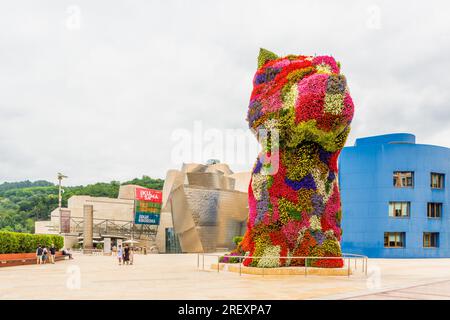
{"x":317,"y":83}
{"x":328,"y":61}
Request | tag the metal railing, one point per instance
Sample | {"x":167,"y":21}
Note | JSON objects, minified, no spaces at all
{"x":125,"y":228}
{"x":349,"y":258}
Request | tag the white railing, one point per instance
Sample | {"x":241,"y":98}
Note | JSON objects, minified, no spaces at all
{"x":346,"y":257}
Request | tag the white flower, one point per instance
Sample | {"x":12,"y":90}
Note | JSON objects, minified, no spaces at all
{"x":314,"y":223}
{"x":258,"y":181}
{"x":270,"y":257}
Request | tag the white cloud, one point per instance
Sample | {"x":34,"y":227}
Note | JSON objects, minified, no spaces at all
{"x":101,"y":102}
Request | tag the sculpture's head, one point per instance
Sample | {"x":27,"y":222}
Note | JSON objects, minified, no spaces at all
{"x":304,"y":97}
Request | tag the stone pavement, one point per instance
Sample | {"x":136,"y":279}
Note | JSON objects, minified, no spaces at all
{"x":175,"y":276}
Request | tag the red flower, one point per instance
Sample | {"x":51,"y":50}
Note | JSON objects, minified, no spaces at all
{"x":309,"y":106}
{"x":278,"y":239}
{"x":333,"y":162}
{"x":328,"y":263}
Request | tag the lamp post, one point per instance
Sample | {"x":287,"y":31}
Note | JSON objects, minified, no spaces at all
{"x":60,"y":177}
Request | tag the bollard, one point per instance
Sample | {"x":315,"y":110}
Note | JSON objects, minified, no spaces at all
{"x":240,"y":265}
{"x":348,"y":262}
{"x":306,"y":267}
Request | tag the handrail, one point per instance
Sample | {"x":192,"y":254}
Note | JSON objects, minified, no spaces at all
{"x":345,"y":256}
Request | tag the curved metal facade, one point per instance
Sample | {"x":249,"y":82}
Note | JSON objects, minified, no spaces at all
{"x":367,"y":189}
{"x":207,"y":210}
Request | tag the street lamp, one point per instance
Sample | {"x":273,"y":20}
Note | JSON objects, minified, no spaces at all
{"x":60,"y":177}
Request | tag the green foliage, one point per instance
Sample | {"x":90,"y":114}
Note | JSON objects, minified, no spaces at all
{"x":15,"y":242}
{"x":23,"y":203}
{"x":288,"y":210}
{"x":147,"y":182}
{"x":237,"y":240}
{"x":265,"y":56}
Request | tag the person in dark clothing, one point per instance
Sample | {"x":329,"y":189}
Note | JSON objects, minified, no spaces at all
{"x":67,"y":253}
{"x":126,"y":255}
{"x":39,"y":252}
{"x":52,"y":253}
{"x":44,"y":255}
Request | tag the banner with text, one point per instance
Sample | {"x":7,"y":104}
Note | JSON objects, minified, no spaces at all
{"x":147,"y":206}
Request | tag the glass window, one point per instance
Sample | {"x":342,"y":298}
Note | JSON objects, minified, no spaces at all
{"x":399,"y":209}
{"x":434,"y":210}
{"x":403,"y":179}
{"x":394,"y":239}
{"x":437,"y":180}
{"x":430,"y":239}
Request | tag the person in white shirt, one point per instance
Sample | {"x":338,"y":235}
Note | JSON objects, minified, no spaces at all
{"x":120,"y":254}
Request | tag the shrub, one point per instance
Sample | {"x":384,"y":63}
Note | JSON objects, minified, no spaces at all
{"x":15,"y":242}
{"x":237,"y":240}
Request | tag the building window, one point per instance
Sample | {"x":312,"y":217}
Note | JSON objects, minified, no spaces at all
{"x":394,"y":239}
{"x":437,"y":180}
{"x":430,"y":239}
{"x":434,"y":210}
{"x":399,"y":209}
{"x":403,"y":179}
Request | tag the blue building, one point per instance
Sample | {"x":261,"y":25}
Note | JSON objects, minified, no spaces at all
{"x":395,"y":198}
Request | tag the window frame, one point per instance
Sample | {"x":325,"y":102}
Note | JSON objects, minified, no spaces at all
{"x":430,"y":240}
{"x":440,"y":175}
{"x":436,"y":204}
{"x":399,"y":172}
{"x":393,"y":203}
{"x":401,"y":239}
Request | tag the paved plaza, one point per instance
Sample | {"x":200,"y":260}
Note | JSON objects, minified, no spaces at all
{"x":176,"y":276}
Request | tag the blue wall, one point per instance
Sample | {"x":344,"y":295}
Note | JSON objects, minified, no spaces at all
{"x":366,"y":184}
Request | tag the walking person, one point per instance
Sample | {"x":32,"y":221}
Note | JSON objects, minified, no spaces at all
{"x":126,"y":255}
{"x":44,"y":255}
{"x":39,"y":252}
{"x":52,"y":253}
{"x":120,"y":254}
{"x":131,"y":256}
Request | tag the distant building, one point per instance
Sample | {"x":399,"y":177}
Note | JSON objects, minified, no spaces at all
{"x":204,"y":207}
{"x":395,"y":198}
{"x":112,"y":218}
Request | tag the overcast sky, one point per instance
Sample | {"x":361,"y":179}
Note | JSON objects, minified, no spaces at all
{"x":96,"y":89}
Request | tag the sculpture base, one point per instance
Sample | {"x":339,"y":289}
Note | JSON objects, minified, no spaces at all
{"x":289,"y":271}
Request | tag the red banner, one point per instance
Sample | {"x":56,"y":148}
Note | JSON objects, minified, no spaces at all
{"x":151,"y":195}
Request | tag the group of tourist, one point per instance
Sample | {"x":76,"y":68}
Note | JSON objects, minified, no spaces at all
{"x":44,"y":254}
{"x":125,"y":255}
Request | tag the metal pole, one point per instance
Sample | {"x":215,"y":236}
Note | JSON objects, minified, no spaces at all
{"x":240,"y":264}
{"x":60,"y":177}
{"x":203,"y":266}
{"x":218,"y":263}
{"x":306,"y":267}
{"x":366,"y":265}
{"x":348,"y":262}
{"x":198,"y":261}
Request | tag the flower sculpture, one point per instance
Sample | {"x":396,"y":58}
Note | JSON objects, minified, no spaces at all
{"x":294,"y":202}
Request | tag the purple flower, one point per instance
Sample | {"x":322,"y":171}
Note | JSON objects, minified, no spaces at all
{"x":331,"y":176}
{"x":319,"y":236}
{"x":257,"y":166}
{"x":262,"y":206}
{"x":306,"y":183}
{"x":318,"y":205}
{"x":260,"y":78}
{"x":254,"y":112}
{"x":324,"y":156}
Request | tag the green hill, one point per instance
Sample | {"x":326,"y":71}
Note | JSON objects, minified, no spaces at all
{"x":22,"y":203}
